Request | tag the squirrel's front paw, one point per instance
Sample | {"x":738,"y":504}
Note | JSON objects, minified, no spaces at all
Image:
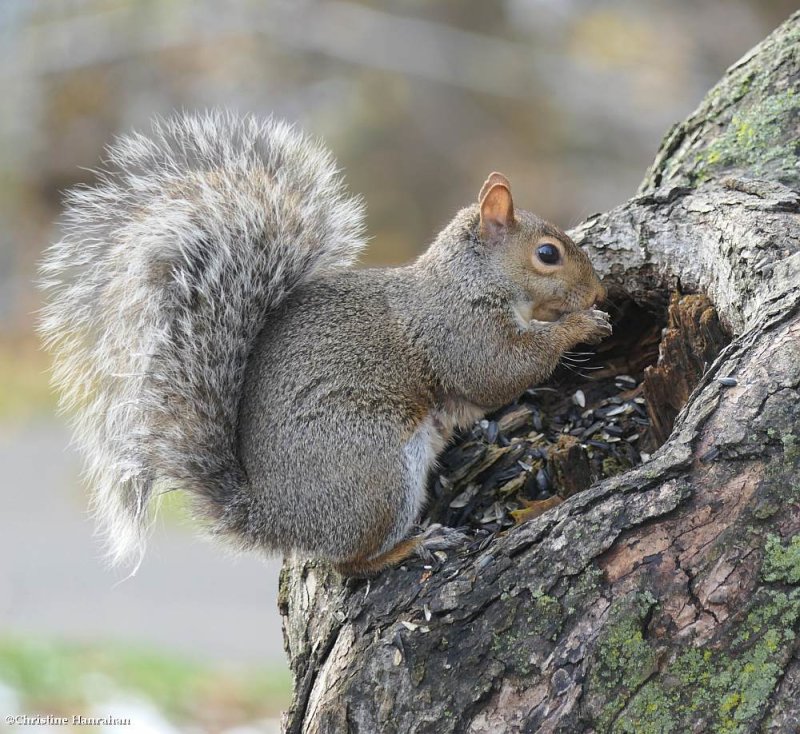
{"x":588,"y":327}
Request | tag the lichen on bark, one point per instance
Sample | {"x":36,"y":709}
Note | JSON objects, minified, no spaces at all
{"x":726,"y":685}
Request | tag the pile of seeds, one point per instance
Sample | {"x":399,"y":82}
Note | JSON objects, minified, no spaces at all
{"x":554,"y":441}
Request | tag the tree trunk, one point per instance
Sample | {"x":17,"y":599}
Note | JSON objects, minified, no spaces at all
{"x":663,"y":599}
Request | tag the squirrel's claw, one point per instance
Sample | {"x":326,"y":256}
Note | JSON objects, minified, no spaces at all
{"x":590,"y":326}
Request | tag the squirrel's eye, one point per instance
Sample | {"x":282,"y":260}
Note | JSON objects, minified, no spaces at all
{"x":548,"y":254}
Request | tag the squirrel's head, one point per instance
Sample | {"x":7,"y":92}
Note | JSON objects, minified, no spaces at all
{"x":539,"y":258}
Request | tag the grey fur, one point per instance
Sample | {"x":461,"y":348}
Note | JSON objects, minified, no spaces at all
{"x":210,"y":336}
{"x":166,"y":274}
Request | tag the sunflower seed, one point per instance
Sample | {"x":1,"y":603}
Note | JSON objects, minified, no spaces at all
{"x":464,"y":498}
{"x":597,"y":425}
{"x":542,"y":480}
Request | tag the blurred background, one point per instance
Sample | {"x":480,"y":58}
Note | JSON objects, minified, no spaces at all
{"x":419,"y":100}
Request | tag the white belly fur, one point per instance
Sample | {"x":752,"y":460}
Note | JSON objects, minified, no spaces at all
{"x":419,"y":457}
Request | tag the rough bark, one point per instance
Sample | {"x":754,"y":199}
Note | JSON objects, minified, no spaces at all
{"x":665,"y":599}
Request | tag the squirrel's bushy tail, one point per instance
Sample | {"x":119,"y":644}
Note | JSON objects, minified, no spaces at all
{"x":166,"y":274}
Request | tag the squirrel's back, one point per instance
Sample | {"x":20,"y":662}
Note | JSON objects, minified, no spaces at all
{"x":168,"y":270}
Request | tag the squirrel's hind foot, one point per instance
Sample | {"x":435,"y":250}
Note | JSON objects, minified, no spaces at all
{"x":438,"y":537}
{"x":434,"y":538}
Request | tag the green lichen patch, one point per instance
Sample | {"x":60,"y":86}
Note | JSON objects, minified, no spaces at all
{"x":756,"y":140}
{"x":577,"y":591}
{"x":722,"y":691}
{"x":781,"y":563}
{"x":623,"y":659}
{"x":693,"y":151}
{"x":791,"y":448}
{"x":546,"y":616}
{"x":536,"y":623}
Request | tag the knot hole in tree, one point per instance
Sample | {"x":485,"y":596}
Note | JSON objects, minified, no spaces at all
{"x":607,"y":408}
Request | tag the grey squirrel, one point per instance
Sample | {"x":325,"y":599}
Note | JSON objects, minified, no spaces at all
{"x":209,"y":334}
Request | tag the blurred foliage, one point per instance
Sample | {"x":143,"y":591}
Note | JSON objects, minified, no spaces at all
{"x":24,"y":390}
{"x":65,"y":679}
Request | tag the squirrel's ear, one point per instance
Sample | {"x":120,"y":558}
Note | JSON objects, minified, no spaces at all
{"x":497,"y":211}
{"x":494,"y":178}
